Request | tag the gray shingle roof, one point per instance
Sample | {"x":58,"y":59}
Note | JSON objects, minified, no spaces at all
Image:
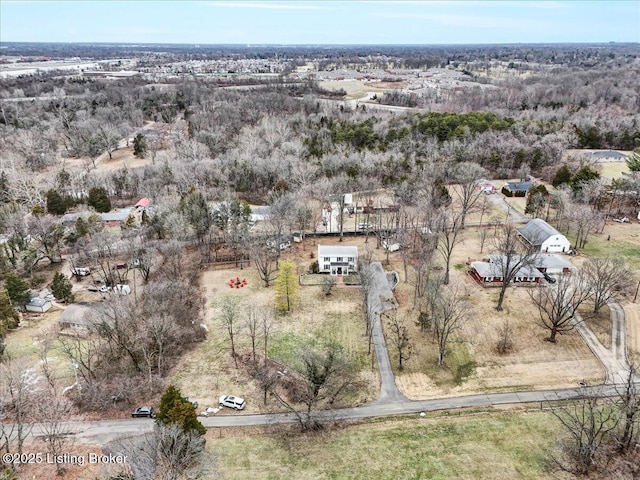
{"x":537,"y":231}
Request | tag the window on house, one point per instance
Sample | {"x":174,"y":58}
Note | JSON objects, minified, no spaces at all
{"x":351,"y":259}
{"x":326,"y":266}
{"x":339,"y":259}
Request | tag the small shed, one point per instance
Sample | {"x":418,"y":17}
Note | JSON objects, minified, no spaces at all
{"x":38,"y":305}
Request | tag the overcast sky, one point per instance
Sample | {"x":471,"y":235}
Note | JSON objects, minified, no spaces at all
{"x":320,"y":22}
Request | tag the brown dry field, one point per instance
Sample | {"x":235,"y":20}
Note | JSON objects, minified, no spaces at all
{"x":357,"y":89}
{"x":632,"y":313}
{"x":122,"y":157}
{"x":534,"y":362}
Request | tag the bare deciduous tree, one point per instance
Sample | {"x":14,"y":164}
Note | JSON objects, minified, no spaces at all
{"x":628,"y":403}
{"x":588,"y":422}
{"x":399,"y":336}
{"x":448,"y":311}
{"x":557,"y":305}
{"x":606,"y":276}
{"x":229,"y":316}
{"x":448,"y":228}
{"x":323,"y":377}
{"x":512,"y":257}
{"x":465,"y":174}
{"x":265,"y":259}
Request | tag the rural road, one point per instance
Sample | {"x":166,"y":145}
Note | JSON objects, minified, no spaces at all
{"x":102,"y":432}
{"x":501,"y":203}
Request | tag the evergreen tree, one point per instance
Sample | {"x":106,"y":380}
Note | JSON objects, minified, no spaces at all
{"x":286,"y":286}
{"x":582,"y":176}
{"x":139,"y":146}
{"x":56,"y":204}
{"x":17,"y":289}
{"x":176,"y":409}
{"x":99,"y":199}
{"x":633,"y":161}
{"x":61,"y":288}
{"x":5,"y":197}
{"x":563,"y":175}
{"x":9,"y":318}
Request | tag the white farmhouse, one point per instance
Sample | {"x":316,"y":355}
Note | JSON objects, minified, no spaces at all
{"x":337,"y":260}
{"x":543,"y":237}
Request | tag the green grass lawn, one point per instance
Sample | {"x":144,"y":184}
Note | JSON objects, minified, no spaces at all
{"x":497,"y":446}
{"x":599,"y":246}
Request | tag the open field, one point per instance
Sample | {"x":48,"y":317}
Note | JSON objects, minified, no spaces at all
{"x":356,"y":89}
{"x":209,"y":371}
{"x":612,"y":169}
{"x":624,"y":242}
{"x":497,"y":446}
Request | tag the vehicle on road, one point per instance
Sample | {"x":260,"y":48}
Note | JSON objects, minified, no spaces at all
{"x":143,"y":412}
{"x":621,"y":220}
{"x":81,"y":271}
{"x":232,"y":402}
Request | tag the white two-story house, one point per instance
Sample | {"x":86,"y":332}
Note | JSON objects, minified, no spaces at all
{"x":337,"y":260}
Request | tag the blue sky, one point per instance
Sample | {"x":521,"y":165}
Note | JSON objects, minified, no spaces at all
{"x":320,"y":22}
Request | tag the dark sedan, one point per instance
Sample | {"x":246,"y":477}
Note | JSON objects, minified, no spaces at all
{"x":143,"y":412}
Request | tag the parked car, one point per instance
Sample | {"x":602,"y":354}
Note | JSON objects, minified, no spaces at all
{"x":81,"y":271}
{"x":143,"y":412}
{"x":549,"y":278}
{"x":122,"y":289}
{"x":621,"y":220}
{"x":232,"y":402}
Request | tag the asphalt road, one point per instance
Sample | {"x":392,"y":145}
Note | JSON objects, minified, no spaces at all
{"x":102,"y":432}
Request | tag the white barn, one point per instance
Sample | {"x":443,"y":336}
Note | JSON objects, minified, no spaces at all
{"x":544,"y":237}
{"x":337,"y":260}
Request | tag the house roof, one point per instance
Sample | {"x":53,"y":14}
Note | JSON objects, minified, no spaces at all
{"x":119,"y":216}
{"x":337,"y":251}
{"x":72,"y":217}
{"x":37,"y":302}
{"x":486,"y":269}
{"x":519,"y":186}
{"x":82,"y":313}
{"x":549,"y":260}
{"x":493,"y":269}
{"x":143,"y":202}
{"x":607,"y":154}
{"x":537,"y":231}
